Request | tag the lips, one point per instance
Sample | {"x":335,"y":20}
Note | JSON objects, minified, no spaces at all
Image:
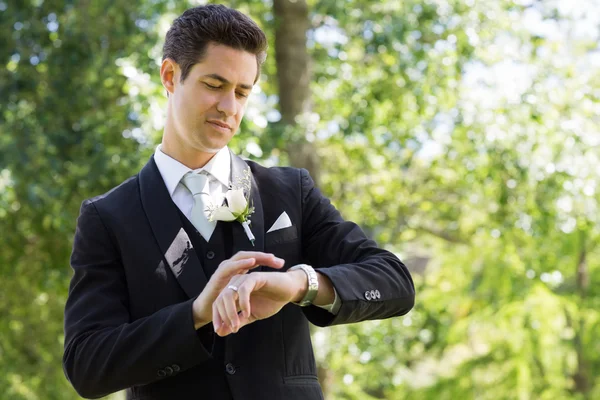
{"x":219,"y":123}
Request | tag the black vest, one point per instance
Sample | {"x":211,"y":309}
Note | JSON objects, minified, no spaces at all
{"x":211,"y":254}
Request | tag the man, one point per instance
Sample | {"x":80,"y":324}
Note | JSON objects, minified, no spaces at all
{"x":168,"y":304}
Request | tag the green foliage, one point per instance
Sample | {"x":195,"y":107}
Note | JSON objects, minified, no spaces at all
{"x":65,"y":111}
{"x":460,"y":134}
{"x":487,"y":166}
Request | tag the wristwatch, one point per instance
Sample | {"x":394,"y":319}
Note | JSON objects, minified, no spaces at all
{"x":313,"y":284}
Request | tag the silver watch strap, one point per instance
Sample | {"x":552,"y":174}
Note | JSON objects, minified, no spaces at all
{"x":313,"y":284}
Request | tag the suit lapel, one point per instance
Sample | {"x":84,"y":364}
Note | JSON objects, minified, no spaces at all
{"x":166,"y":226}
{"x":240,"y":239}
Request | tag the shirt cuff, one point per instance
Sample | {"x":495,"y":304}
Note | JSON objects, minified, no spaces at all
{"x":335,"y":306}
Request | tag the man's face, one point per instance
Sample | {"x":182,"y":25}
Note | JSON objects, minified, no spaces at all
{"x":207,"y":108}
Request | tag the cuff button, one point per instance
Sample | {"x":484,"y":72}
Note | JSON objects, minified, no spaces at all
{"x":230,"y":369}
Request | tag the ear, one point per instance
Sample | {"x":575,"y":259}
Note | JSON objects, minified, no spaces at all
{"x":169,"y":71}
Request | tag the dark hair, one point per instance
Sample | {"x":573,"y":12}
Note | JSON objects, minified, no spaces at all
{"x":192,"y":31}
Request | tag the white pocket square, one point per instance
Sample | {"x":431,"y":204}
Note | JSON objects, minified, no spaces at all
{"x":282,"y":222}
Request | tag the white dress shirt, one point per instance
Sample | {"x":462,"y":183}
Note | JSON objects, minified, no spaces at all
{"x":171,"y":170}
{"x":219,"y":169}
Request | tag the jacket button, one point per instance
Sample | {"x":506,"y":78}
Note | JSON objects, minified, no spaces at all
{"x":230,"y":369}
{"x":368,"y":295}
{"x":175,"y":367}
{"x":169,"y":370}
{"x":161,"y":373}
{"x":210,"y":255}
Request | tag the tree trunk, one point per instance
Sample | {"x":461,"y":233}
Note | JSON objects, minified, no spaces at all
{"x":582,"y":376}
{"x":293,"y":76}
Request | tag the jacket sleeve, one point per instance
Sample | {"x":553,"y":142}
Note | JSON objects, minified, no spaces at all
{"x":357,"y":268}
{"x":105,"y":351}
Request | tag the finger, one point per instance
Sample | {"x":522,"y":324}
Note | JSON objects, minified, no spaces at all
{"x":230,"y":267}
{"x":220,"y":327}
{"x":247,"y":254}
{"x":244,"y":321}
{"x":238,"y":266}
{"x":237,"y":280}
{"x":222,"y":315}
{"x":244,"y":291}
{"x":230,"y":306}
{"x":217,"y":321}
{"x":266,"y":259}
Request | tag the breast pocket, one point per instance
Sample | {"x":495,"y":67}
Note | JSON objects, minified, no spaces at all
{"x":281,"y":236}
{"x":284,"y":243}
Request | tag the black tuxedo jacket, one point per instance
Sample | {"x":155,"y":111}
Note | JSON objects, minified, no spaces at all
{"x":128,"y":317}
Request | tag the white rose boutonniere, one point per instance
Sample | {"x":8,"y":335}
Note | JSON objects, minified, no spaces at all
{"x":237,"y":207}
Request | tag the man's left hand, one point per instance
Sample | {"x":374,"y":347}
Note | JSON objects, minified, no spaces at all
{"x":259,"y":295}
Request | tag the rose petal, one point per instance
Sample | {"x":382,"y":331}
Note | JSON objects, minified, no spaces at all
{"x":222,"y":214}
{"x":236,"y":201}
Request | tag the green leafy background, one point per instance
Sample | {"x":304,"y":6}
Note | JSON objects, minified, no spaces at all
{"x":461,"y":135}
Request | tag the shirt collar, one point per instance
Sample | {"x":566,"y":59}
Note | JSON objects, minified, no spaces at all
{"x":172,"y":170}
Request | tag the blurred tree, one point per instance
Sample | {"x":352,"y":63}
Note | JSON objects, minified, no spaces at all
{"x":461,"y":134}
{"x":465,"y":132}
{"x":293,"y":77}
{"x":69,"y":129}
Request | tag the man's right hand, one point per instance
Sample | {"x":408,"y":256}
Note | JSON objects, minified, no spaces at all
{"x":240,"y":263}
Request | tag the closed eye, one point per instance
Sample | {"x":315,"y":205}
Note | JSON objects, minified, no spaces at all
{"x":238,"y":94}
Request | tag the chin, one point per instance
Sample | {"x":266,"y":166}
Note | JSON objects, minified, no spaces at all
{"x":214,"y":144}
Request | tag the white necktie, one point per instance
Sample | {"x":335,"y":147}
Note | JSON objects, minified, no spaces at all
{"x":198,"y":185}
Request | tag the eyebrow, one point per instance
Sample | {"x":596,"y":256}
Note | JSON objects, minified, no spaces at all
{"x":225,"y":81}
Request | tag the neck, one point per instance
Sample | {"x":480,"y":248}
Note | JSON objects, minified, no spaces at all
{"x":186,"y":155}
{"x":173,"y":146}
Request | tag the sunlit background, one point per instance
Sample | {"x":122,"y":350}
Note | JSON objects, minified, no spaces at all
{"x":461,"y":135}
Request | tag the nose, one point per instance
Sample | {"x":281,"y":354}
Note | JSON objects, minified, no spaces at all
{"x":228,"y":103}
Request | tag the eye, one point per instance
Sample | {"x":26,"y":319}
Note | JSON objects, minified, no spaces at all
{"x":243,"y":95}
{"x":211,"y":86}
